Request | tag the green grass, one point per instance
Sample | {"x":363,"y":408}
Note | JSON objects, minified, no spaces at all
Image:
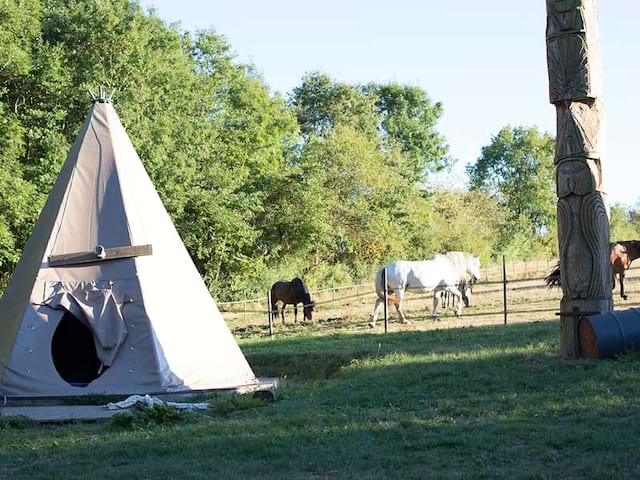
{"x":480,"y":402}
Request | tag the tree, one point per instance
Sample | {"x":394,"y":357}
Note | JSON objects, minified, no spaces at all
{"x":402,"y":117}
{"x":321,"y":103}
{"x":623,"y":226}
{"x":517,"y":169}
{"x":408,"y":122}
{"x":466,"y":221}
{"x":327,"y":183}
{"x":211,"y":137}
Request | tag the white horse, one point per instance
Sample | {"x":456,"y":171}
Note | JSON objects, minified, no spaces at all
{"x":446,"y":272}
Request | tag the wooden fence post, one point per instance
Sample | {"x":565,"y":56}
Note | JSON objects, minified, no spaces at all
{"x":386,"y":297}
{"x":333,"y":294}
{"x":244,"y":307}
{"x":504,"y":288}
{"x":270,"y":313}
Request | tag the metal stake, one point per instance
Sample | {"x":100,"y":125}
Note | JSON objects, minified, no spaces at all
{"x":386,"y":297}
{"x":270,"y":314}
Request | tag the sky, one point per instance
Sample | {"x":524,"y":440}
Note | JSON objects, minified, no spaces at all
{"x":485,"y":61}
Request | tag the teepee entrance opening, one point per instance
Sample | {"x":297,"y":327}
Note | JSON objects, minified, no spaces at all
{"x":74,"y":352}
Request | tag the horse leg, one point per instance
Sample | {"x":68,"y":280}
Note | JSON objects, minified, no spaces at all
{"x":622,"y":294}
{"x":376,"y":310}
{"x":398,"y":305}
{"x":284,"y":305}
{"x":457,"y":300}
{"x":295,"y":313}
{"x":436,"y":301}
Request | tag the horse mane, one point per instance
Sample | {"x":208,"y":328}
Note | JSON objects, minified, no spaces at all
{"x":630,"y":247}
{"x":300,"y":284}
{"x":627,"y":243}
{"x":458,"y":260}
{"x":302,"y":288}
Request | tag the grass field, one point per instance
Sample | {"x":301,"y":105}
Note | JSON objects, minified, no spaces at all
{"x":450,"y":399}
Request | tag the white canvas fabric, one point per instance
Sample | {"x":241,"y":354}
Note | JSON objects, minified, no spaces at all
{"x":153,"y":321}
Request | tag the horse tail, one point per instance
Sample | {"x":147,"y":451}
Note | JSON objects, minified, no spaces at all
{"x":553,"y":279}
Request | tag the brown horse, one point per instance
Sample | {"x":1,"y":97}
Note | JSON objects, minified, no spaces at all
{"x":622,"y":254}
{"x":291,"y":293}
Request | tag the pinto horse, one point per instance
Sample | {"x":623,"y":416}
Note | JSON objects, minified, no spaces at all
{"x":291,"y":293}
{"x":442,"y":272}
{"x":622,"y":254}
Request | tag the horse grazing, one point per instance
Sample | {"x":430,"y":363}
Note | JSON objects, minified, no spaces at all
{"x":622,"y":254}
{"x":446,"y":272}
{"x":291,"y":293}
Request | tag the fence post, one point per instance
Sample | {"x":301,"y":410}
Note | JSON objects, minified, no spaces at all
{"x":386,"y":297}
{"x":270,"y":313}
{"x":333,"y":294}
{"x":244,"y":307}
{"x":504,"y":288}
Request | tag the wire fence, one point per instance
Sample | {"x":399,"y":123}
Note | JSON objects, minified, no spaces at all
{"x":500,"y":286}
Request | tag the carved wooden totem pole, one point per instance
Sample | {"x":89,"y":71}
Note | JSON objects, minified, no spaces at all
{"x":573,"y":57}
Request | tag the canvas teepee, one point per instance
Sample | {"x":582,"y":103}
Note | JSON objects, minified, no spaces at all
{"x":105,"y":298}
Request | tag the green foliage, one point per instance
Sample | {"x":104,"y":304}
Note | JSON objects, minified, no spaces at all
{"x":517,"y":170}
{"x":321,"y":104}
{"x":157,"y":415}
{"x":624,"y":224}
{"x":467,"y":221}
{"x":408,"y":122}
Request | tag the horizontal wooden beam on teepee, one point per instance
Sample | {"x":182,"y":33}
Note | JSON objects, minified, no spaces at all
{"x":104,"y":255}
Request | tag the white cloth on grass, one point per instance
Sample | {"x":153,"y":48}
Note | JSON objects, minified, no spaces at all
{"x":149,"y":401}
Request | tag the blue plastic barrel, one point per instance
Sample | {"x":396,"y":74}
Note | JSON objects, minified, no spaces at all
{"x":607,"y":334}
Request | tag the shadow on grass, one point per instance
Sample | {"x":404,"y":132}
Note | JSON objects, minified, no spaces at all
{"x":319,"y":356}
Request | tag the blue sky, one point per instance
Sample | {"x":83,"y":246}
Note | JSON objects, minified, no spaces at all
{"x":484,"y":60}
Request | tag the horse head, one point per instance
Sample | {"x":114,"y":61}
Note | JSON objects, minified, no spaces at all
{"x":307,"y":309}
{"x":473,"y":267}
